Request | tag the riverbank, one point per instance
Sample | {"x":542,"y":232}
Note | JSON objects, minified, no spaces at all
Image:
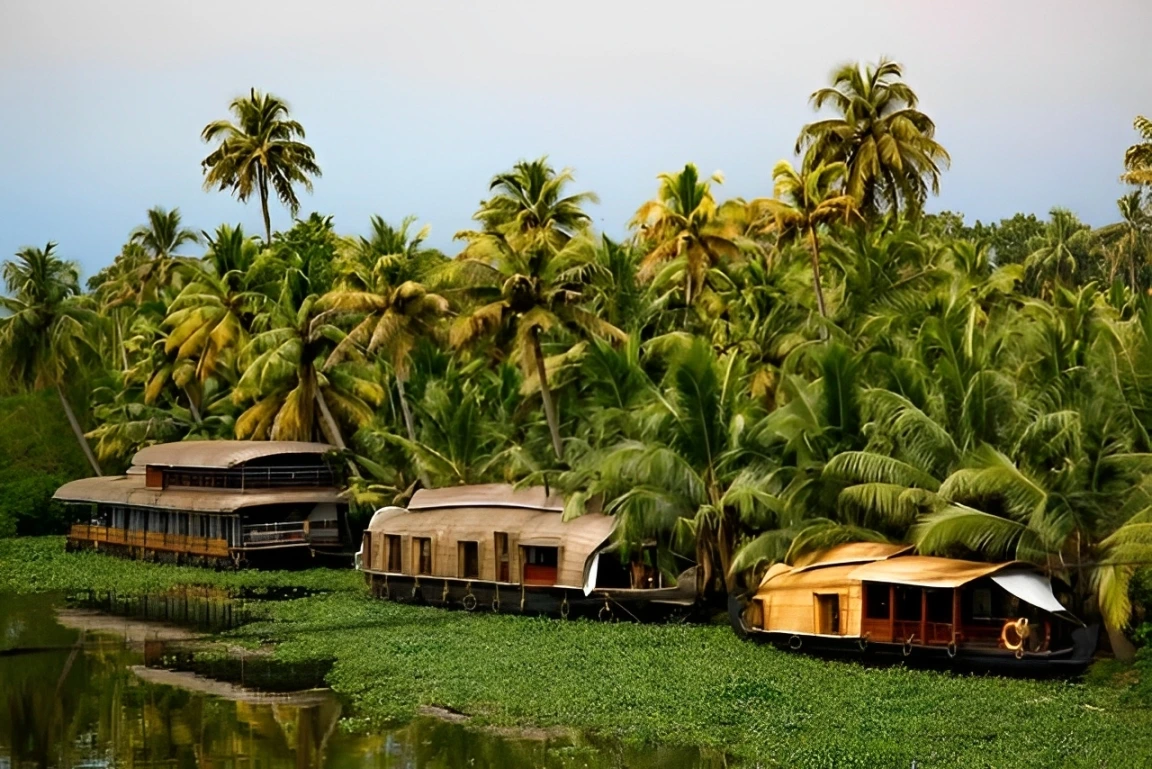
{"x":660,"y":684}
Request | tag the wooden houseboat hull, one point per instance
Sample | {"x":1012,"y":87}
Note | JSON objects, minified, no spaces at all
{"x":498,"y":548}
{"x":550,"y":600}
{"x":1068,"y":662}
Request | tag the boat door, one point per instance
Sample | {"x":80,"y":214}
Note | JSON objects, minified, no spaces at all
{"x":828,"y":613}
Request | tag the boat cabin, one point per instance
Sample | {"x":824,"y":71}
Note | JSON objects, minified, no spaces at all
{"x":500,"y":547}
{"x":885,"y":598}
{"x":215,"y":502}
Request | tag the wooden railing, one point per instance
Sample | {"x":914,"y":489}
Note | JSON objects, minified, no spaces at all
{"x":150,"y":540}
{"x":285,"y":533}
{"x":245,"y":478}
{"x":925,"y":633}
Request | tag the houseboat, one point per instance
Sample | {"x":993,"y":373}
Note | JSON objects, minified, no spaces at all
{"x":875,"y":600}
{"x":498,"y":548}
{"x":229,"y":503}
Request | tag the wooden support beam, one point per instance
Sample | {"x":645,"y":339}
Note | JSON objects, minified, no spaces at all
{"x":923,"y":615}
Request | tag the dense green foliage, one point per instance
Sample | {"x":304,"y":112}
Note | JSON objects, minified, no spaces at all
{"x":740,"y":380}
{"x":37,"y":454}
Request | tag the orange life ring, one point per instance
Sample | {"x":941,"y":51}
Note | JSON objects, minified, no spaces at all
{"x":1020,"y":629}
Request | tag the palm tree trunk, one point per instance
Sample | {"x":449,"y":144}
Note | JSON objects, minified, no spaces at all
{"x":333,"y":431}
{"x":119,"y":327}
{"x":1132,"y":270}
{"x":330,"y":425}
{"x":546,"y":395}
{"x":816,"y":279}
{"x":264,"y":206}
{"x":78,"y":432}
{"x":408,"y":424}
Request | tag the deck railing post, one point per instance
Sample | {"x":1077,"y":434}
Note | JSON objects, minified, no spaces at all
{"x":924,"y":615}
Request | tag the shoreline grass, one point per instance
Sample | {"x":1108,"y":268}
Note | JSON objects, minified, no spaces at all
{"x":682,"y":685}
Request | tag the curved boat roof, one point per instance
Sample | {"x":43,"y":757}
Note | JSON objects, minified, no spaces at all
{"x":529,"y":517}
{"x":131,"y":491}
{"x":930,"y":571}
{"x":851,"y":552}
{"x":876,"y":562}
{"x":220,"y":454}
{"x":487,"y":495}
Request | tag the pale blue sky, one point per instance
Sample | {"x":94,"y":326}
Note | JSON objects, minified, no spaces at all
{"x":413,"y":106}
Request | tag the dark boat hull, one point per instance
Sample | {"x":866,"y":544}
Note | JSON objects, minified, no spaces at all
{"x":1068,"y":662}
{"x":508,"y":598}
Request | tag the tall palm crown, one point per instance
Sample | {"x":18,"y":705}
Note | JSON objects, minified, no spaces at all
{"x":528,"y":206}
{"x":259,"y":152}
{"x":684,"y":222}
{"x":806,"y":200}
{"x":1054,"y":257}
{"x":1138,"y":157}
{"x":379,"y":288}
{"x":45,"y":333}
{"x":388,"y":256}
{"x":42,"y":333}
{"x":1129,"y":241}
{"x":163,"y":235}
{"x":888,"y":145}
{"x":209,"y":318}
{"x":524,"y":270}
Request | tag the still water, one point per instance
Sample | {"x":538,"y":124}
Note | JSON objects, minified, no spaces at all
{"x":87,"y":702}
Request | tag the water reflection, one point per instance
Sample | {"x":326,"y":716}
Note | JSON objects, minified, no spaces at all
{"x":81,"y":705}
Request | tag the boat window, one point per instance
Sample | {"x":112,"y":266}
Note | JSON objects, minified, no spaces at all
{"x":503,"y":561}
{"x":876,"y":600}
{"x":422,"y":551}
{"x":940,"y":606}
{"x":828,"y":614}
{"x":468,"y":560}
{"x":907,"y":603}
{"x":540,"y":565}
{"x":392,"y":543}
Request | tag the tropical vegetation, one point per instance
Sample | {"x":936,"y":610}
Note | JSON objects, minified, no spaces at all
{"x":740,"y":380}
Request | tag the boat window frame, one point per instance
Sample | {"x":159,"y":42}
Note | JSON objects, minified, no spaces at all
{"x":393,"y":553}
{"x":462,"y":546}
{"x":832,"y":597}
{"x":418,"y":557}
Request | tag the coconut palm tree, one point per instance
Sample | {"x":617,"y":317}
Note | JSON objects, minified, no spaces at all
{"x":292,"y":394}
{"x":1138,"y":157}
{"x":45,"y":334}
{"x":525,"y":269}
{"x":529,"y":207}
{"x":1129,"y":239}
{"x":684,"y":223}
{"x":208,"y":320}
{"x":1056,"y":256}
{"x":163,"y":235}
{"x":388,"y":256}
{"x":693,"y":481}
{"x":523,"y":295}
{"x":887,"y":144}
{"x":806,"y":200}
{"x":259,"y":152}
{"x":390,"y":320}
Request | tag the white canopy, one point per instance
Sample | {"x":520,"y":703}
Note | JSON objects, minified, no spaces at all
{"x":1031,"y":587}
{"x":590,"y":580}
